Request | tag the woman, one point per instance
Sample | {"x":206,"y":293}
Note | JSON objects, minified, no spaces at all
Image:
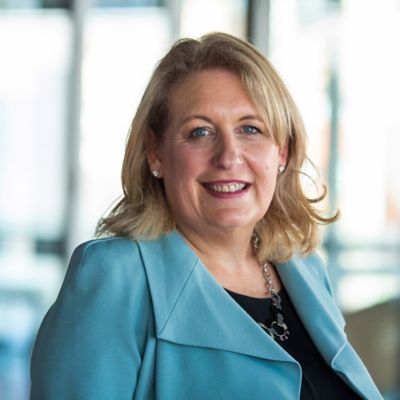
{"x":207,"y":285}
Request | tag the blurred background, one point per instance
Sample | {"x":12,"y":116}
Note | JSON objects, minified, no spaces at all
{"x":71,"y":75}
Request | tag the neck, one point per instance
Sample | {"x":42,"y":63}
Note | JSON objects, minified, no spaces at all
{"x":230,"y":249}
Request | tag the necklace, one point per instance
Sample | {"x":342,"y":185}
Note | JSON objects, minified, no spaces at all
{"x":277,"y":329}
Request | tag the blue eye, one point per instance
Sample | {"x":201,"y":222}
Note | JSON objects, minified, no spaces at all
{"x":250,"y":130}
{"x":199,"y":132}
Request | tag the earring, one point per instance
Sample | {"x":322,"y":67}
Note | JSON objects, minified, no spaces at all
{"x":255,"y":241}
{"x":281,"y":168}
{"x":156,"y":173}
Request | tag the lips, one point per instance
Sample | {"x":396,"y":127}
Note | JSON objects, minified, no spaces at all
{"x":226,"y":187}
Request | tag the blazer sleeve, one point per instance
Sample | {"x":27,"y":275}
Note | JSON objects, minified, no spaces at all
{"x":91,"y":342}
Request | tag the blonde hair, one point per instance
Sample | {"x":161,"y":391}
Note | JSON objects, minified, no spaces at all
{"x":291,"y":221}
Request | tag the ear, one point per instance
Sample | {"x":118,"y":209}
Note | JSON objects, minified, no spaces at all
{"x":152,"y":151}
{"x":283,"y":154}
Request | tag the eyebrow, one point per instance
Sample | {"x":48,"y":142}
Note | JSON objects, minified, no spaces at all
{"x":205,"y":118}
{"x":194,"y":116}
{"x":255,"y":117}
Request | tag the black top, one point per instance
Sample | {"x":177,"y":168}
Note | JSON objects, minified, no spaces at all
{"x":319,"y":381}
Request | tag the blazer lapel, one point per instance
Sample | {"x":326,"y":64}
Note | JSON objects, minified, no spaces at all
{"x":191,"y":308}
{"x":314,"y":305}
{"x":324,"y":322}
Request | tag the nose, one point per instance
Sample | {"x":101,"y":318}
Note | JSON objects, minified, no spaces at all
{"x":228,"y":152}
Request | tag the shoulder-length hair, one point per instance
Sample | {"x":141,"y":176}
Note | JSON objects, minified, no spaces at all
{"x":290,"y":224}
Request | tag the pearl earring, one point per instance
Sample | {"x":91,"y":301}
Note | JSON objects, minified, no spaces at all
{"x":281,"y":168}
{"x":156,"y":173}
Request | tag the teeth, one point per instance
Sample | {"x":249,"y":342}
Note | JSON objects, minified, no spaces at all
{"x":231,"y":188}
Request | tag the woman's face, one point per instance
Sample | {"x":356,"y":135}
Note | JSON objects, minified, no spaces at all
{"x":217,"y":160}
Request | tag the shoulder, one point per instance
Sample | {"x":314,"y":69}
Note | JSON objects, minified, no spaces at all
{"x":307,"y":280}
{"x":116,"y":255}
{"x":106,"y":249}
{"x":309,"y":269}
{"x":318,"y":268}
{"x":102,"y":317}
{"x":104,"y":279}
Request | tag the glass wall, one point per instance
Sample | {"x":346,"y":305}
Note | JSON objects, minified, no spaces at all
{"x":35,"y":56}
{"x":343,"y":75}
{"x":338,"y":60}
{"x":58,"y":176}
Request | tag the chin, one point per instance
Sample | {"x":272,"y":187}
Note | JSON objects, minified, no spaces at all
{"x":229,"y":223}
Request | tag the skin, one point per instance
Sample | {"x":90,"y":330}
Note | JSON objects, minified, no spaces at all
{"x":217,"y":142}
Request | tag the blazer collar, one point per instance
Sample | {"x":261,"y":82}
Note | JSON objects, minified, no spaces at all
{"x":319,"y":313}
{"x":191,"y":308}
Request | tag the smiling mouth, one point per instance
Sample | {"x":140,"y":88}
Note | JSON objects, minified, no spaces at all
{"x":226,"y":187}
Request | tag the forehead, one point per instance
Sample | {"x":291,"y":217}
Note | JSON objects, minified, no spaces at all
{"x":205,"y":80}
{"x":208,"y":90}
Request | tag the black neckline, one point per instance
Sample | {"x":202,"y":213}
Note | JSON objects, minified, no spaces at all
{"x":281,"y":293}
{"x":318,"y":379}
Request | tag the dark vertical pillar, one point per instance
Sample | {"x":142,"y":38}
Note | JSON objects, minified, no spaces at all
{"x":332,"y":243}
{"x":72,"y":139}
{"x":258,"y":24}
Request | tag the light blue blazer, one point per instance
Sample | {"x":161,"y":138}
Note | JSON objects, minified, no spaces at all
{"x":146,"y":320}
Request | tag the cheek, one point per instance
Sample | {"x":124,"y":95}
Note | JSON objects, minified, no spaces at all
{"x":184,"y":165}
{"x":265,"y":167}
{"x":266,"y":160}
